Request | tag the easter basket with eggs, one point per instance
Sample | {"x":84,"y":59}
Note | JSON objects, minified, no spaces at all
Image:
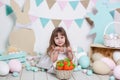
{"x":111,"y":40}
{"x":64,"y":68}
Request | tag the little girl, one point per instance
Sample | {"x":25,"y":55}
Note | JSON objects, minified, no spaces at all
{"x":59,"y":48}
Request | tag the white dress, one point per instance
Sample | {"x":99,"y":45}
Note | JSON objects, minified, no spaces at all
{"x":46,"y":63}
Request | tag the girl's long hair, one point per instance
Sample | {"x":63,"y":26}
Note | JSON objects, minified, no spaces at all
{"x":55,"y":34}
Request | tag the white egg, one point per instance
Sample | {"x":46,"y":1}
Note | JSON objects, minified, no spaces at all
{"x":100,"y":67}
{"x":116,"y":55}
{"x":4,"y":68}
{"x":97,"y":56}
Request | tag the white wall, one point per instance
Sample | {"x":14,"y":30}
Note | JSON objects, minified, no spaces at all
{"x":76,"y":35}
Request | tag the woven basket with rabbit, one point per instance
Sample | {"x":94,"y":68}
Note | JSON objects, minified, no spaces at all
{"x":113,"y":39}
{"x":64,"y":69}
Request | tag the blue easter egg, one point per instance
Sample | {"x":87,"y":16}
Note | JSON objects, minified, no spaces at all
{"x":84,"y":61}
{"x":89,"y":72}
{"x":112,"y":78}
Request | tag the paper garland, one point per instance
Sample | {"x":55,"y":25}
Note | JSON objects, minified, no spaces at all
{"x":79,"y":22}
{"x":74,"y":4}
{"x":44,"y":21}
{"x":50,"y":3}
{"x":85,"y":3}
{"x":8,"y":10}
{"x":68,"y":23}
{"x":1,"y":4}
{"x":56,"y":22}
{"x":118,"y":10}
{"x":112,"y":13}
{"x":38,"y":2}
{"x":63,"y":3}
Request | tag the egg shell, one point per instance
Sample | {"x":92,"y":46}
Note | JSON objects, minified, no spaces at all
{"x":118,"y":62}
{"x":116,"y":55}
{"x":84,"y":61}
{"x":100,"y":67}
{"x":4,"y":68}
{"x":109,"y":62}
{"x":116,"y":72}
{"x":15,"y":65}
{"x":97,"y":56}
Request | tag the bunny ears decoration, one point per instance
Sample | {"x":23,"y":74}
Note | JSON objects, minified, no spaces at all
{"x":22,"y":15}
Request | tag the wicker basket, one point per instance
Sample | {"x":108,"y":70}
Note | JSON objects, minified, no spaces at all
{"x":111,"y":42}
{"x":64,"y":74}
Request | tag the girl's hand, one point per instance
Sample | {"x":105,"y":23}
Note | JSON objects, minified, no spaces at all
{"x":57,"y":48}
{"x":69,"y":53}
{"x":69,"y":49}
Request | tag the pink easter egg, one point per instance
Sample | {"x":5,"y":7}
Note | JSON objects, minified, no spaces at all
{"x":116,"y":72}
{"x":109,"y":62}
{"x":15,"y":65}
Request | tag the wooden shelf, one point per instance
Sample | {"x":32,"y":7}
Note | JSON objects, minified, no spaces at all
{"x":102,"y":49}
{"x":102,"y":46}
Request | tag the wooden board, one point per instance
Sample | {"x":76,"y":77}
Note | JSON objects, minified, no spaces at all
{"x":23,"y":39}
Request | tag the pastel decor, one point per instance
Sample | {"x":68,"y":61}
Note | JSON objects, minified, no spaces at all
{"x":109,"y":62}
{"x":68,"y":23}
{"x":102,"y":19}
{"x":44,"y":21}
{"x":15,"y":65}
{"x":38,"y":2}
{"x":50,"y":3}
{"x":8,"y":10}
{"x":85,"y":3}
{"x":4,"y":68}
{"x":56,"y":22}
{"x":84,"y":61}
{"x":100,"y":67}
{"x":1,"y":4}
{"x":116,"y":72}
{"x":116,"y":55}
{"x":118,"y":10}
{"x":112,"y":13}
{"x":33,"y":18}
{"x":62,"y":4}
{"x":79,"y":22}
{"x":74,"y":4}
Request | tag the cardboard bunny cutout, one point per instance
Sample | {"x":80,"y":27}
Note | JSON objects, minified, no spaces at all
{"x":22,"y":35}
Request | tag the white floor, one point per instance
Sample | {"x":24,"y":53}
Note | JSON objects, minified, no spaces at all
{"x":29,"y":75}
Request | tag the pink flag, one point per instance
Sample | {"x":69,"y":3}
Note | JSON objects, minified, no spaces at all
{"x":67,"y":23}
{"x":62,"y":4}
{"x":1,"y":4}
{"x":94,"y":1}
{"x":33,"y":18}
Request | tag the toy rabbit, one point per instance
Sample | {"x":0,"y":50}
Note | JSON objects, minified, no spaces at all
{"x":22,"y":35}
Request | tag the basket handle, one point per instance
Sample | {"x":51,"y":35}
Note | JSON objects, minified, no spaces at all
{"x":109,"y":25}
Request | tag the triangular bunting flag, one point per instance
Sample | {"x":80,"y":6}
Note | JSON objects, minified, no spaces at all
{"x":118,"y":10}
{"x":94,"y":1}
{"x":32,"y":18}
{"x":85,"y":3}
{"x":112,"y":13}
{"x":67,"y":23}
{"x":79,"y":22}
{"x":62,"y":4}
{"x":8,"y":10}
{"x":38,"y":2}
{"x":50,"y":3}
{"x":56,"y":22}
{"x":44,"y":21}
{"x":1,"y":4}
{"x":74,"y":4}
